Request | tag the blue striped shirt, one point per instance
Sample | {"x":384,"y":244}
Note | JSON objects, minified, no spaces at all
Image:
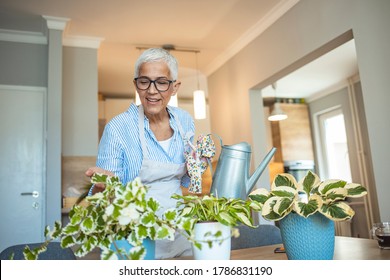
{"x":120,"y":148}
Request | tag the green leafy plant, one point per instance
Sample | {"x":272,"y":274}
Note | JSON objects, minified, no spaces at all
{"x":228,"y":211}
{"x":306,"y":197}
{"x":119,"y":212}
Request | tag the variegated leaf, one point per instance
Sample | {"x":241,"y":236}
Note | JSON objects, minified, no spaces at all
{"x":327,"y":185}
{"x":282,"y":204}
{"x":255,"y":205}
{"x":308,"y":208}
{"x":284,"y":179}
{"x":70,"y":229}
{"x":355,"y":190}
{"x":68,"y":241}
{"x":335,"y":194}
{"x":338,"y":211}
{"x":108,"y":255}
{"x":87,"y":225}
{"x":165,"y":232}
{"x":170,"y":214}
{"x":268,"y":212}
{"x":244,"y":219}
{"x":308,"y":182}
{"x":225,"y":219}
{"x":148,"y":219}
{"x":259,"y":195}
{"x":137,"y":253}
{"x":284,"y":191}
{"x":141,"y":231}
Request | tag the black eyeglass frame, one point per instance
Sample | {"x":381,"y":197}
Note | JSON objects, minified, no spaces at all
{"x":154,"y":82}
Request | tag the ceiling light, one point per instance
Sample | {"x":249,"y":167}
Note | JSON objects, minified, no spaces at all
{"x":199,"y":97}
{"x":277,"y":113}
{"x":199,"y":105}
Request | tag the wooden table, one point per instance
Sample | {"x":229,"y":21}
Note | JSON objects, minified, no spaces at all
{"x":346,"y":248}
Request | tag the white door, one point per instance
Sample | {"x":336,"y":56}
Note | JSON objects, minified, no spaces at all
{"x":22,"y":165}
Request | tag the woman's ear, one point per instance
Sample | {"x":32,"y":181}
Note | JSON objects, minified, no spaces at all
{"x":176,"y":87}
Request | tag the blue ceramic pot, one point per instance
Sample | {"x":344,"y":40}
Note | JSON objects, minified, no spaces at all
{"x":150,"y":246}
{"x":309,"y":238}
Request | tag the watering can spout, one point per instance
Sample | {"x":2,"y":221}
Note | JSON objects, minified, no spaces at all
{"x":259,"y":170}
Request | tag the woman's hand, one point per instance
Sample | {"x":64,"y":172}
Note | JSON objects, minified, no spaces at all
{"x":91,"y":171}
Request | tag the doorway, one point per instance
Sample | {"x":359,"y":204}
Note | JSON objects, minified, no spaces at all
{"x":337,"y":153}
{"x":22,"y":165}
{"x":334,"y":146}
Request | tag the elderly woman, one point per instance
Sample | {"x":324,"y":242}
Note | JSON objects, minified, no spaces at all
{"x":149,"y":141}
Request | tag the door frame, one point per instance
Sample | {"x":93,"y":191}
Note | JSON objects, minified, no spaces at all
{"x":355,"y":129}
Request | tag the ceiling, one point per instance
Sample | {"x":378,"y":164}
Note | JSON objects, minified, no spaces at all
{"x":218,"y":29}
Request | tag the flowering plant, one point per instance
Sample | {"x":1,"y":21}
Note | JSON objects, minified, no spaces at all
{"x":306,"y":197}
{"x":119,"y":212}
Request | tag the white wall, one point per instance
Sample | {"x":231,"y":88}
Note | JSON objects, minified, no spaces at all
{"x":309,"y":25}
{"x":79,"y":102}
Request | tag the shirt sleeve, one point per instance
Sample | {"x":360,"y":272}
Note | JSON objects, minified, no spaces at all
{"x":186,"y":180}
{"x":110,"y":154}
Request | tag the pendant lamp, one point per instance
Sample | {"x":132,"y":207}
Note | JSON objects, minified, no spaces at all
{"x":199,"y":97}
{"x":277,"y":113}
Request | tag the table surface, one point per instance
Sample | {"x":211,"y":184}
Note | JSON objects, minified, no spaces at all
{"x":346,"y":248}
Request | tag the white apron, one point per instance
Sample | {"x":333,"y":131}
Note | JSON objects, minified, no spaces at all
{"x":164,"y":179}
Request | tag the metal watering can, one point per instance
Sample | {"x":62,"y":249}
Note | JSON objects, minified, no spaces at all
{"x":231,"y":178}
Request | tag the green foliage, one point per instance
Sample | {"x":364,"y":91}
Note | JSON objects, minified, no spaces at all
{"x":228,"y":211}
{"x":119,"y":212}
{"x":306,"y":197}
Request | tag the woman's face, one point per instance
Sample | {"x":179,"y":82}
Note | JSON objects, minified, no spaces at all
{"x":154,"y":101}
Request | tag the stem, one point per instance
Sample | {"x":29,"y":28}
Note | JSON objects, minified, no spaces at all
{"x":118,"y":252}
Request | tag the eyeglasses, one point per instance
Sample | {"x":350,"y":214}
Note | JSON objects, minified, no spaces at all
{"x":161,"y":84}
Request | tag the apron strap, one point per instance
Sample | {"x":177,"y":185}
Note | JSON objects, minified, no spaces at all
{"x":180,"y":128}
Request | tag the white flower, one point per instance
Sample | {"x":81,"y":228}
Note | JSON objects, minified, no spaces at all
{"x":128,"y":214}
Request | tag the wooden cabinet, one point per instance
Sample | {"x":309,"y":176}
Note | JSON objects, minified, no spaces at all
{"x":293,"y":136}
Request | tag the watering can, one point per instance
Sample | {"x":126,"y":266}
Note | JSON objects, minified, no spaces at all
{"x":231,"y":178}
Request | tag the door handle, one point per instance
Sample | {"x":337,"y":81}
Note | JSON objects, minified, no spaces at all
{"x":33,"y":194}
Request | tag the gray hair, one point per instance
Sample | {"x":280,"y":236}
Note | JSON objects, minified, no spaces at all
{"x":154,"y":55}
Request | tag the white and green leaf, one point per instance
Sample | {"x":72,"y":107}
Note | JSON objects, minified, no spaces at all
{"x":338,"y":211}
{"x":305,"y":209}
{"x":309,"y":182}
{"x":327,"y":185}
{"x":284,"y":180}
{"x":355,"y":190}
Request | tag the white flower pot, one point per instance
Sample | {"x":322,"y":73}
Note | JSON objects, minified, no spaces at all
{"x":220,"y":249}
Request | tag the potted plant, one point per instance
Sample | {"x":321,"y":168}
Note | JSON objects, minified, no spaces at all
{"x":212,"y":222}
{"x":119,"y":214}
{"x":310,"y":205}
